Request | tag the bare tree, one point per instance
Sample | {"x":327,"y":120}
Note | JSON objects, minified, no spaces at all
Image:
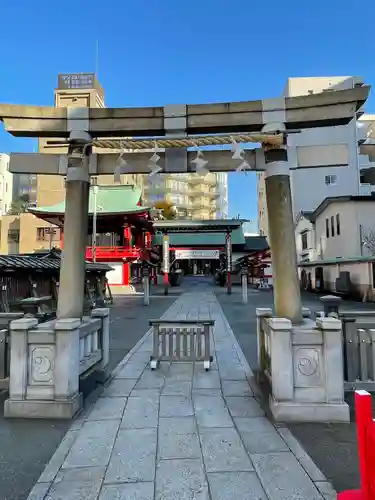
{"x":368,"y":241}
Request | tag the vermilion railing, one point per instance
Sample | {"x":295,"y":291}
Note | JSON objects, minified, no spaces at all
{"x":366,"y":449}
{"x":113,"y":252}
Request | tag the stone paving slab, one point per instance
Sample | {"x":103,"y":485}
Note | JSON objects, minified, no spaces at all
{"x":181,"y":433}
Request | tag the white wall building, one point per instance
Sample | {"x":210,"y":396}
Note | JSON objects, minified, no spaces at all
{"x":335,"y":238}
{"x":6,"y":184}
{"x":325,"y":162}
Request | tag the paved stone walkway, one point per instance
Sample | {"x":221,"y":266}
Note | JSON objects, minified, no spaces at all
{"x":180,"y":433}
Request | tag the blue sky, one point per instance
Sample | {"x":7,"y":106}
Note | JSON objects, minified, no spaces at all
{"x":155,"y":52}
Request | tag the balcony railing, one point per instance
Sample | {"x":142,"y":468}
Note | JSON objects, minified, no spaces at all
{"x":209,"y":193}
{"x":199,"y":179}
{"x":113,"y":252}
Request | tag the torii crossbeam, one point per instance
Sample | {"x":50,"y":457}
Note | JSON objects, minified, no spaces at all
{"x":81,"y":127}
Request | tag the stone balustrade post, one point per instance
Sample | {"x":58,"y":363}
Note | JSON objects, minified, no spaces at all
{"x":281,"y":358}
{"x":333,"y":353}
{"x":261,"y":312}
{"x":18,"y":378}
{"x":104,"y":314}
{"x":67,"y":359}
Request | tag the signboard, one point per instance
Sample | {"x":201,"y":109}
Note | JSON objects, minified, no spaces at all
{"x":166,"y":253}
{"x":77,"y":81}
{"x":197,"y":254}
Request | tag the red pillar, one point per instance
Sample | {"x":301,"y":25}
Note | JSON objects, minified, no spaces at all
{"x":61,"y":238}
{"x":363,"y":414}
{"x":127,"y":237}
{"x":126,"y":273}
{"x":148,"y":240}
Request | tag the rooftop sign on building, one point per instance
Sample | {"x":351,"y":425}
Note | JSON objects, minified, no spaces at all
{"x":79,"y":81}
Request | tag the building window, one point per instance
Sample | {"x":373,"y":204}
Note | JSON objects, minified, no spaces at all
{"x":327,"y":228}
{"x":46,"y":234}
{"x":94,"y":181}
{"x":338,"y":224}
{"x":13,"y":236}
{"x":332,"y":226}
{"x":330,"y":180}
{"x":304,"y":240}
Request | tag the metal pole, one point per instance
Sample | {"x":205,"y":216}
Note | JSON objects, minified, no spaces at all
{"x":228,"y":244}
{"x":166,"y":263}
{"x":146,"y":287}
{"x":95,"y":190}
{"x":244,"y":285}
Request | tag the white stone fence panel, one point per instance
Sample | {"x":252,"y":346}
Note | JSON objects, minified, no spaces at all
{"x":47,"y":360}
{"x":304,"y":365}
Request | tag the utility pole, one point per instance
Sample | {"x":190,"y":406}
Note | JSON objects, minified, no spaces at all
{"x":95,"y":190}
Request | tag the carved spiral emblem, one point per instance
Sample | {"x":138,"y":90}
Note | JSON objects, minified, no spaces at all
{"x":42,"y":365}
{"x":307,"y":366}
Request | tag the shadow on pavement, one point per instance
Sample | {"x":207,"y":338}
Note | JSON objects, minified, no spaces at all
{"x":333,"y":447}
{"x":26,"y":446}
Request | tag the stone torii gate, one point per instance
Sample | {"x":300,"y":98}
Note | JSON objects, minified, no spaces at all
{"x":170,"y":129}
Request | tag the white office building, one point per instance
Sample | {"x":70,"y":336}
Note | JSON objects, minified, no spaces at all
{"x":325,"y":162}
{"x":6,"y":184}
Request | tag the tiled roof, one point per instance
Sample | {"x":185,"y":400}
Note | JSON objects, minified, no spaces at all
{"x":256,"y":243}
{"x":192,"y":226}
{"x":109,"y":200}
{"x":40,"y":262}
{"x":200,"y":239}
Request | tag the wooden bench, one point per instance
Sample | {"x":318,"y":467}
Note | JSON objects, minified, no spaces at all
{"x":181,"y":340}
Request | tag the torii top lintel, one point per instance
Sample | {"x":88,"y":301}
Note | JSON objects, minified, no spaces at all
{"x":316,"y":110}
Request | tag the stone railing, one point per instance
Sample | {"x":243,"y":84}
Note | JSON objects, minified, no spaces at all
{"x":5,"y":320}
{"x":47,"y":361}
{"x":304,"y":365}
{"x":359,"y":350}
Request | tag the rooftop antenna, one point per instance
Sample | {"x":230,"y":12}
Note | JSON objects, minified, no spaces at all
{"x":97,"y":59}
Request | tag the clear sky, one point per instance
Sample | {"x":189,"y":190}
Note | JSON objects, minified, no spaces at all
{"x":156,"y":52}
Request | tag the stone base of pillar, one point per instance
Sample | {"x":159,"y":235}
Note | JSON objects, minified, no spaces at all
{"x":309,"y":412}
{"x":123,"y":290}
{"x":304,"y":365}
{"x":64,"y":410}
{"x":48,"y":360}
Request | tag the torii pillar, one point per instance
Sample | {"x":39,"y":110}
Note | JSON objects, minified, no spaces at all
{"x":287,"y":294}
{"x":71,"y":297}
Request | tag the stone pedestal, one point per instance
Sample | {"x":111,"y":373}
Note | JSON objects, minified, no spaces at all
{"x":305,"y":366}
{"x":47,"y":361}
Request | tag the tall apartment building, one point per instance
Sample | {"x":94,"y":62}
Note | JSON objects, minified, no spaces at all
{"x":6,"y":184}
{"x":194,"y":196}
{"x":335,"y":150}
